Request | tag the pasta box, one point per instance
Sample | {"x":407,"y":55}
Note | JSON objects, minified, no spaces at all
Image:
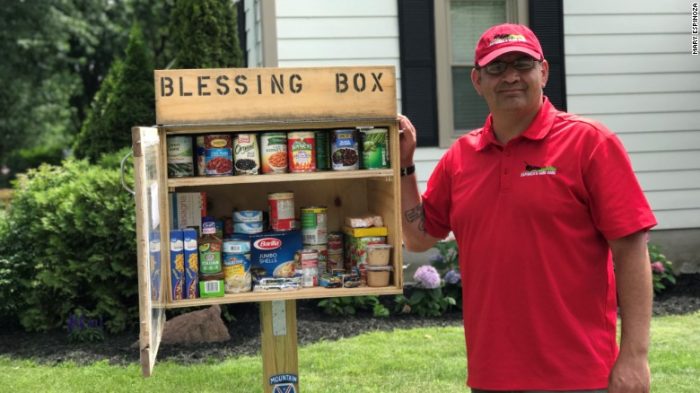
{"x":274,"y":252}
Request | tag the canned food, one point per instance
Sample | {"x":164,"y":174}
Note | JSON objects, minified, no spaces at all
{"x":344,"y":150}
{"x":302,"y":152}
{"x":237,"y":277}
{"x":218,"y":157}
{"x":375,"y":153}
{"x":281,"y":211}
{"x":335,"y":260}
{"x":180,"y":156}
{"x":314,"y":228}
{"x":335,"y":241}
{"x":248,"y":228}
{"x":273,"y":146}
{"x":247,"y":215}
{"x":322,"y":255}
{"x":308,"y":261}
{"x":236,"y":246}
{"x":322,"y":150}
{"x":201,"y":153}
{"x":245,"y":154}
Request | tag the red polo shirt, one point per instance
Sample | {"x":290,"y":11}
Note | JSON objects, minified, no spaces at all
{"x":532,"y":219}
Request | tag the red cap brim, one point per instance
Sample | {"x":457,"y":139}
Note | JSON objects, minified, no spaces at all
{"x":508,"y":49}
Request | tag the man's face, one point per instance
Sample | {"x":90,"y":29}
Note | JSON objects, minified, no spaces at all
{"x":515,"y":89}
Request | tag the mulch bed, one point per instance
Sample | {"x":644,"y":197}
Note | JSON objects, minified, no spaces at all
{"x":312,"y":326}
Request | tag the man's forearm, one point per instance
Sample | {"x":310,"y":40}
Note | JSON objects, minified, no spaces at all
{"x":634,"y":286}
{"x":412,"y":217}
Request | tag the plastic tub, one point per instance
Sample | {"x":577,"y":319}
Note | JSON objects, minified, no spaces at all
{"x":378,"y":276}
{"x":378,"y":254}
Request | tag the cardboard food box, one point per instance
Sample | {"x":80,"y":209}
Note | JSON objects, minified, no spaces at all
{"x":187,"y":209}
{"x":274,"y":252}
{"x":191,"y":263}
{"x":177,"y":264}
{"x":356,"y":249}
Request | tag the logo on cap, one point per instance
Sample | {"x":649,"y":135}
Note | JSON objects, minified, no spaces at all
{"x":501,"y":38}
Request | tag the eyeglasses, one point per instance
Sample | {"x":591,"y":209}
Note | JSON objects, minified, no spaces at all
{"x":499,"y":67}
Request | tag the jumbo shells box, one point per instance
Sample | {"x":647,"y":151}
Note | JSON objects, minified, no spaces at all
{"x":274,"y":252}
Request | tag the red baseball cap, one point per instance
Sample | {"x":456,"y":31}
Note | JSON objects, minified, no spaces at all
{"x":506,"y":38}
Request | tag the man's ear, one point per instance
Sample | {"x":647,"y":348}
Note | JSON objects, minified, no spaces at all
{"x":476,"y":80}
{"x":545,"y":72}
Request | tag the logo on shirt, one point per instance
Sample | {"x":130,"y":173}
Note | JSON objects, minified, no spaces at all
{"x":532,"y":170}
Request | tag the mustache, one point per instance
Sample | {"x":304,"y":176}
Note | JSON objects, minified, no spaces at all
{"x":511,"y":86}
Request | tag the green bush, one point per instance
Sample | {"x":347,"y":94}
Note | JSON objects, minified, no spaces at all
{"x":426,"y":302}
{"x":344,"y":306}
{"x":447,"y":264}
{"x":21,"y":160}
{"x":68,"y":243}
{"x":661,"y":269}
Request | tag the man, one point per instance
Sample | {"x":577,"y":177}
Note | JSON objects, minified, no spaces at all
{"x":541,"y":203}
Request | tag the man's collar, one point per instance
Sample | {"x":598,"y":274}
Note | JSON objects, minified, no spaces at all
{"x":537,"y":130}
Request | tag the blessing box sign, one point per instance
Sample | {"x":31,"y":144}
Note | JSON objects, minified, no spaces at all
{"x":211,"y":96}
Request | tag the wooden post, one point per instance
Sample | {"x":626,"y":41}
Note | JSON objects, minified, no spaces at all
{"x":278,"y":325}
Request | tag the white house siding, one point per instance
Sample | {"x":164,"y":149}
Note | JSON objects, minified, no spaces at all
{"x":314,"y":33}
{"x":628,"y":65}
{"x":253,"y":30}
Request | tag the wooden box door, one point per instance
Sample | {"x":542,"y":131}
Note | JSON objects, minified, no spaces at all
{"x":150,"y":241}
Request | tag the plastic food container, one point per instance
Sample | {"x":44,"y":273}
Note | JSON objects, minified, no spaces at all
{"x":378,"y":276}
{"x":378,"y":254}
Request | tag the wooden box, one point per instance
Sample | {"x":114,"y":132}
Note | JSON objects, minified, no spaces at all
{"x":195,"y":102}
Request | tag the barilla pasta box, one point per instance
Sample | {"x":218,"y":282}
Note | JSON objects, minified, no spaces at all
{"x":177,"y":264}
{"x":187,"y":209}
{"x":191,"y":264}
{"x":274,"y":252}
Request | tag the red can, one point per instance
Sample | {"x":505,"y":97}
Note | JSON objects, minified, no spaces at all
{"x":281,"y":210}
{"x":301,"y":147}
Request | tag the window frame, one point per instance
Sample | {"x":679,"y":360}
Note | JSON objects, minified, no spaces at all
{"x":516,"y":12}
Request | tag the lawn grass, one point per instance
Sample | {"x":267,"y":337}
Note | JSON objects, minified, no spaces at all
{"x":424,"y":360}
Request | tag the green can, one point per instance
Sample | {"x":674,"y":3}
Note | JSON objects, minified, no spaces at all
{"x":323,"y":162}
{"x":375,"y":148}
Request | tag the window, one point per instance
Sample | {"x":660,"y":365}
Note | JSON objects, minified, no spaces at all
{"x":459,"y":24}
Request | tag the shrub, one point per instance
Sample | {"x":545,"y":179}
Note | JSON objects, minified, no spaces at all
{"x":68,"y":243}
{"x":661,"y":269}
{"x":447,"y":263}
{"x":344,"y":306}
{"x":427,"y":298}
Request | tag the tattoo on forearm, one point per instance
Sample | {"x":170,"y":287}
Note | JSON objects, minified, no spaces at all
{"x":416,"y":214}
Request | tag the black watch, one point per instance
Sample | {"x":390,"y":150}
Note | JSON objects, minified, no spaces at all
{"x":409,"y":170}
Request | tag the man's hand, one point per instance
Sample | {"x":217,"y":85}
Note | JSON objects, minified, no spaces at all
{"x":407,"y":140}
{"x":630,"y":375}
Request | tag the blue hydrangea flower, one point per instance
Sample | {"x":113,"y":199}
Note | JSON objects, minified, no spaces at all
{"x":452,"y":277}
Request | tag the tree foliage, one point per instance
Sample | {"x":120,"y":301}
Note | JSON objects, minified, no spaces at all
{"x":204,"y":34}
{"x":125,"y":99}
{"x":55,"y":56}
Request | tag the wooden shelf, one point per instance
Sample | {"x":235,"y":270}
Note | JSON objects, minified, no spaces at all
{"x":284,"y":177}
{"x":304,"y":293}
